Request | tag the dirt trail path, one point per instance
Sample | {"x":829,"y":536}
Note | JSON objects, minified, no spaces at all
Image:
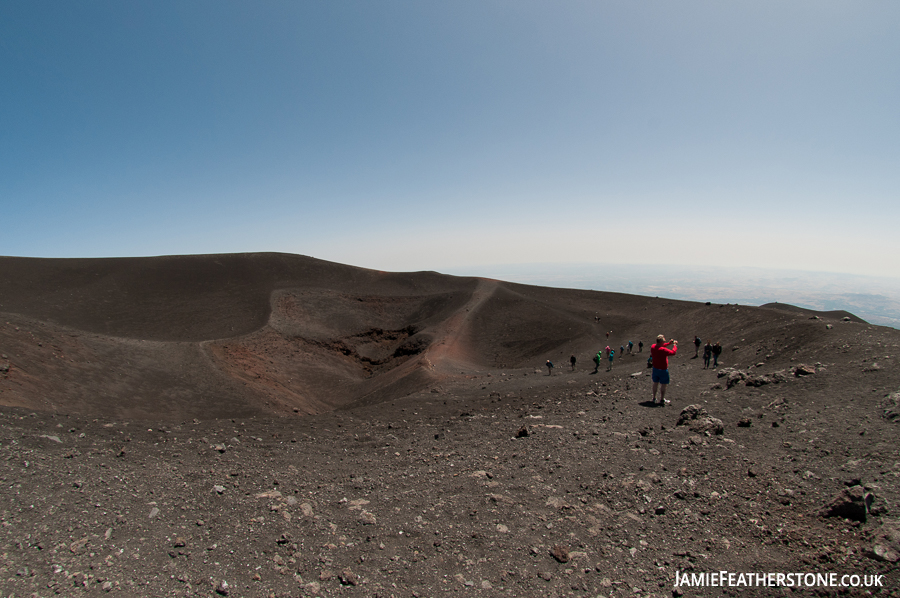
{"x":449,"y":348}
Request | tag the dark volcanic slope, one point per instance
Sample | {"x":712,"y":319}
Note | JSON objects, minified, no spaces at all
{"x":448,"y":461}
{"x":235,"y":335}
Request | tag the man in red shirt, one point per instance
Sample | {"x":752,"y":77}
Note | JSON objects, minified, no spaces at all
{"x":660,"y":352}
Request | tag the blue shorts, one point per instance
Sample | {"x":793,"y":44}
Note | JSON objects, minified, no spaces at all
{"x":661,"y":376}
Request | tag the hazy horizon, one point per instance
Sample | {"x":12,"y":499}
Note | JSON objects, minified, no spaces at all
{"x":874,"y":299}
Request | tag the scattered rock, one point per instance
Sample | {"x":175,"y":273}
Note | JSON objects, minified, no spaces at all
{"x":803,"y":370}
{"x":745,"y":422}
{"x":886,"y":543}
{"x":892,"y":409}
{"x":560,"y":553}
{"x":219,"y":489}
{"x":523,"y":432}
{"x":850,"y":503}
{"x":222,"y":588}
{"x":758,"y":381}
{"x":734,"y":378}
{"x":698,"y":420}
{"x":348,"y":578}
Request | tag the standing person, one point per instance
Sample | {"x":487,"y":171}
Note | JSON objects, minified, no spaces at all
{"x":622,"y":351}
{"x":607,"y":335}
{"x":697,"y":343}
{"x":612,"y":354}
{"x":549,"y":365}
{"x":630,"y":346}
{"x":572,"y":360}
{"x":707,"y":354}
{"x":597,"y":358}
{"x":640,"y":346}
{"x":659,"y":353}
{"x":716,"y":351}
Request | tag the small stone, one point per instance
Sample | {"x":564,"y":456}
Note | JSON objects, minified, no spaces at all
{"x":523,"y":432}
{"x":222,"y":588}
{"x":219,"y":489}
{"x":348,"y":578}
{"x":560,"y":553}
{"x":804,"y":370}
{"x":886,"y":544}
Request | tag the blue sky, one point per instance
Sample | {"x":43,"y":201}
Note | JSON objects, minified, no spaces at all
{"x":440,"y":135}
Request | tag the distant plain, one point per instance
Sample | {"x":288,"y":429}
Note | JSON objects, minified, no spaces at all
{"x":874,"y":299}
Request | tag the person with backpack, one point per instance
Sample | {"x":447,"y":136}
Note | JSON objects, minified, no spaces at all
{"x":659,"y":353}
{"x":572,"y":361}
{"x":597,"y":359}
{"x":716,"y":351}
{"x":549,"y":365}
{"x":630,"y":346}
{"x":640,"y":346}
{"x":707,"y":354}
{"x":612,"y":354}
{"x":697,"y":343}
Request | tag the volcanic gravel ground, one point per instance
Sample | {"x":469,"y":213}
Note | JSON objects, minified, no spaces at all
{"x":443,"y":492}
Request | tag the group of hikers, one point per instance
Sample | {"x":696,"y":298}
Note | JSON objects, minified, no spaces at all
{"x":710,"y":352}
{"x":658,"y":360}
{"x":609,"y":354}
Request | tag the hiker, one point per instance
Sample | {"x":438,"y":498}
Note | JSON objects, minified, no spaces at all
{"x":612,"y":354}
{"x":607,"y":335}
{"x":549,"y":365}
{"x":707,"y":354}
{"x":630,"y":346}
{"x":572,"y":360}
{"x":649,"y":362}
{"x":697,"y":343}
{"x":640,"y":346}
{"x":659,"y":353}
{"x":716,"y":351}
{"x":622,"y":350}
{"x":597,"y":359}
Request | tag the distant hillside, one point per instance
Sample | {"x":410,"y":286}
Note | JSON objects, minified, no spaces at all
{"x":837,"y":314}
{"x":239,"y":334}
